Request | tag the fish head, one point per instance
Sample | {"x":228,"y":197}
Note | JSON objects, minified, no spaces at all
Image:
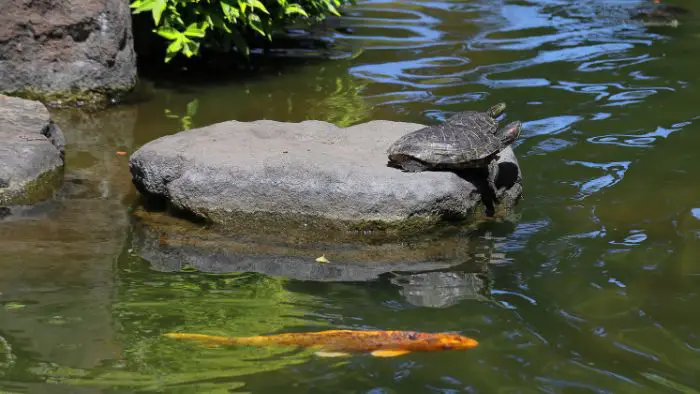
{"x":450,"y":341}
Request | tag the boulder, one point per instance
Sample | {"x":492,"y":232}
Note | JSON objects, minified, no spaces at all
{"x":310,"y":168}
{"x":77,"y":52}
{"x":31,"y":152}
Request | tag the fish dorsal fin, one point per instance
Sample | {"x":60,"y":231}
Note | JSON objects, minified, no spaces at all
{"x":389,"y":353}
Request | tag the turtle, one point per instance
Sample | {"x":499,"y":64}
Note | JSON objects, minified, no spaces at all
{"x":659,"y":14}
{"x":483,"y":120}
{"x":451,"y":146}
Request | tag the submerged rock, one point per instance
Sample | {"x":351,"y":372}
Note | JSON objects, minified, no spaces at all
{"x":311,"y":168}
{"x":31,"y":152}
{"x":77,"y":52}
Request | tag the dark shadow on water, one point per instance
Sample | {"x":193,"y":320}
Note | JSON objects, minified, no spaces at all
{"x":153,"y":205}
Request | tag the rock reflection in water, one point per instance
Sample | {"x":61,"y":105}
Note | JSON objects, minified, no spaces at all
{"x":470,"y":281}
{"x":442,"y":289}
{"x":283,"y":249}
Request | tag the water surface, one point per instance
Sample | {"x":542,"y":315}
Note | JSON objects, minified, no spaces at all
{"x":592,"y":290}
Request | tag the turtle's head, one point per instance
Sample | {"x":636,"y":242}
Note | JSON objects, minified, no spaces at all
{"x":496,"y":110}
{"x":510,"y":132}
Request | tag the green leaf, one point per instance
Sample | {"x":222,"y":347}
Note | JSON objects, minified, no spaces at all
{"x":142,"y":5}
{"x":295,"y":9}
{"x":333,"y":10}
{"x":259,"y":5}
{"x":256,"y":24}
{"x":231,"y":13}
{"x":197,"y":30}
{"x":155,"y":6}
{"x":190,"y":48}
{"x":168,"y":33}
{"x":136,"y":5}
{"x":218,"y":23}
{"x":157,"y":11}
{"x":173,"y":49}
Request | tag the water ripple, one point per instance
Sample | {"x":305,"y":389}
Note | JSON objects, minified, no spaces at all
{"x":614,"y":172}
{"x":628,"y":95}
{"x":635,"y":237}
{"x":507,"y":38}
{"x":611,"y":64}
{"x":695,"y":212}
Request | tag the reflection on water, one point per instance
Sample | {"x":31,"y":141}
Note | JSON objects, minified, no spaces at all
{"x":592,"y":288}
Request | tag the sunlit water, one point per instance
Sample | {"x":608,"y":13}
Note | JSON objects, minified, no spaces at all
{"x":593,"y":290}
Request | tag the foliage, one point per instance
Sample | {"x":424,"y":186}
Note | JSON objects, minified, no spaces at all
{"x":187,"y":24}
{"x":185,"y":120}
{"x":342,"y":104}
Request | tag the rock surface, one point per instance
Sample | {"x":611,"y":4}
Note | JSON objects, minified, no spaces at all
{"x":309,"y":168}
{"x":66,"y":52}
{"x":31,"y":152}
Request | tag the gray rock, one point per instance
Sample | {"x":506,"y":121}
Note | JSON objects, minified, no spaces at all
{"x":31,"y":152}
{"x":309,"y":168}
{"x":66,"y":52}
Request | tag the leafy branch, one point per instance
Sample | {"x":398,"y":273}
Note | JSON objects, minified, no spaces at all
{"x":187,"y":24}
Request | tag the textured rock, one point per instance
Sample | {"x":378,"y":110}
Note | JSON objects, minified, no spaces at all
{"x":309,"y":168}
{"x":31,"y":152}
{"x":66,"y":52}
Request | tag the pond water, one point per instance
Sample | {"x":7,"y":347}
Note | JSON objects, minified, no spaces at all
{"x":591,"y":290}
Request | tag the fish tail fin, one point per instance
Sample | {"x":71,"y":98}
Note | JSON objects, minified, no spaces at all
{"x":211,"y":339}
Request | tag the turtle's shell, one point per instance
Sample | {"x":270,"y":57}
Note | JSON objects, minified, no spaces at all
{"x":448,"y":145}
{"x":474,"y":120}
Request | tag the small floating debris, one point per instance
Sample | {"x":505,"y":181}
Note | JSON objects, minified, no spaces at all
{"x":322,"y":259}
{"x":14,"y":306}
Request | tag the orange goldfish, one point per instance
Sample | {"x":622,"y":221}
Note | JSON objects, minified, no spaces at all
{"x":337,"y":343}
